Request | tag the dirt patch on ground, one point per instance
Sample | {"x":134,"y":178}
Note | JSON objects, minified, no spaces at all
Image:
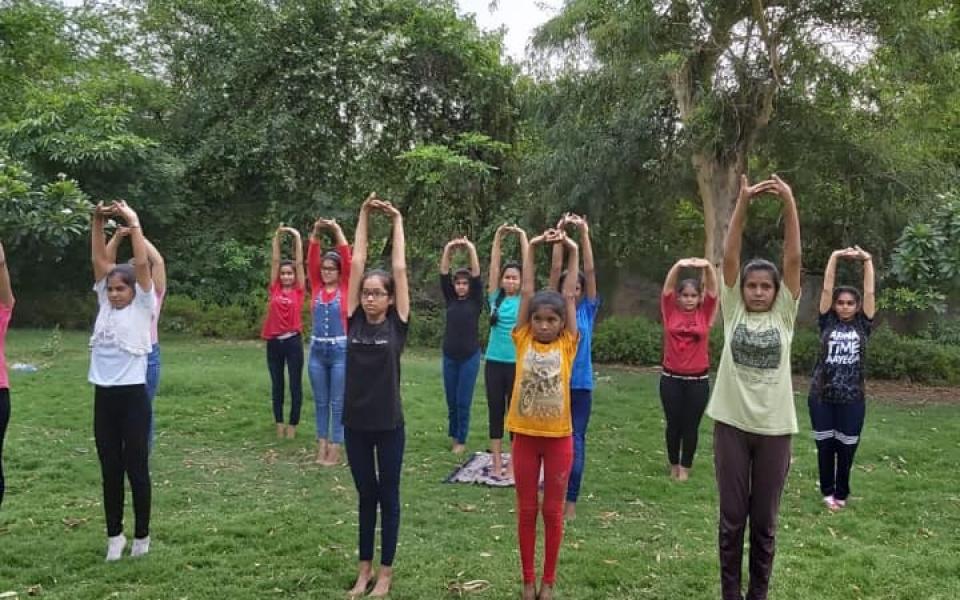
{"x":897,"y":392}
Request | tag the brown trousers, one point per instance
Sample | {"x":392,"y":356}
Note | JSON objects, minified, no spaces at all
{"x":751,"y":471}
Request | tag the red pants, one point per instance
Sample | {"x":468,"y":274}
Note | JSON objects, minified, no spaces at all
{"x":556,"y":456}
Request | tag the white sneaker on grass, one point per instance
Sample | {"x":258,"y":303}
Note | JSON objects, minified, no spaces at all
{"x":115,"y":546}
{"x":140,"y":546}
{"x":831,"y":502}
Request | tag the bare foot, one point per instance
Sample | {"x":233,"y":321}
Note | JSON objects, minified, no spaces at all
{"x":546,"y":592}
{"x":364,"y":575}
{"x":332,"y":457}
{"x":291,"y":431}
{"x":281,"y":430}
{"x":509,"y":473}
{"x":529,"y":592}
{"x":497,"y":467}
{"x":458,"y":448}
{"x":321,"y":451}
{"x":384,"y":579}
{"x":683,"y":474}
{"x":570,"y":511}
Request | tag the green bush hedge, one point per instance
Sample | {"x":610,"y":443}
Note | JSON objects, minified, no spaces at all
{"x":638,"y":341}
{"x":623,"y":340}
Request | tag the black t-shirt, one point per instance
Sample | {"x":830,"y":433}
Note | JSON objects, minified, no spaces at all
{"x":372,"y":394}
{"x":461,"y":339}
{"x":839,"y":373}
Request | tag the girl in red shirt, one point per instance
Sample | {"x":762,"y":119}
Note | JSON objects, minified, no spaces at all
{"x":688,"y":313}
{"x":282,"y":329}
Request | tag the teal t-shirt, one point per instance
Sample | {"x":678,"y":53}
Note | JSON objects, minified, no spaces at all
{"x":500,"y":345}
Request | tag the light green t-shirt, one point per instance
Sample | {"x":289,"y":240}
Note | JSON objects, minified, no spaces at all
{"x":754,"y":390}
{"x":500,"y":343}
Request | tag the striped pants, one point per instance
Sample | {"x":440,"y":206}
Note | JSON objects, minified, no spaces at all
{"x":836,"y":429}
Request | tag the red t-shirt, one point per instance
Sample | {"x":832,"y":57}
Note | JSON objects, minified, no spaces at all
{"x":283,"y":311}
{"x":686,"y":335}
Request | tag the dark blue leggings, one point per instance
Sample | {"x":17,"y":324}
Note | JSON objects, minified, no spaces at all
{"x":4,"y":419}
{"x":368,"y":452}
{"x":288,"y":351}
{"x":836,"y":429}
{"x":581,"y":402}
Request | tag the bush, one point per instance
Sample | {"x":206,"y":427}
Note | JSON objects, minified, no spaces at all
{"x":186,"y":315}
{"x":638,"y":341}
{"x":629,"y":340}
{"x":892,"y":356}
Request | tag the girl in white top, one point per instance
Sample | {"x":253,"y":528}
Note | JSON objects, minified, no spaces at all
{"x":118,"y":367}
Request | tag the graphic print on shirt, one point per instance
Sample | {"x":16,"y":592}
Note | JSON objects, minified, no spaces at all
{"x":843,"y":347}
{"x":759,"y":349}
{"x":541,"y":390}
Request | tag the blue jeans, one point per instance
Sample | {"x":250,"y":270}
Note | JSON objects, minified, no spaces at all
{"x":581,"y":402}
{"x":376,"y":461}
{"x":459,"y":379}
{"x":153,"y":380}
{"x":327,"y":371}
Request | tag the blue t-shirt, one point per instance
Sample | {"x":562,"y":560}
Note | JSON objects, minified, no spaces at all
{"x":582,"y":377}
{"x":500,"y":345}
{"x":838,"y":376}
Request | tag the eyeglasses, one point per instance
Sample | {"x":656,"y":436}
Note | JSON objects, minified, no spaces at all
{"x":374,"y":294}
{"x":330,"y":269}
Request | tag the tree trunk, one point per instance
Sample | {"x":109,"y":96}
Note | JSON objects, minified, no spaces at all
{"x":718,"y":183}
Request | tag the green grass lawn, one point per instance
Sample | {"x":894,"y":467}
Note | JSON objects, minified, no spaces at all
{"x":238,"y":514}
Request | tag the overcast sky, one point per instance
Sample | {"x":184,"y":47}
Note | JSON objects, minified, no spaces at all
{"x":520,"y":17}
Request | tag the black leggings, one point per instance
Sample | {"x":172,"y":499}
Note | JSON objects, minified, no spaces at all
{"x":4,"y":419}
{"x":121,"y":423}
{"x":376,"y":461}
{"x":684,"y":401}
{"x":498,"y":379}
{"x":289,"y":351}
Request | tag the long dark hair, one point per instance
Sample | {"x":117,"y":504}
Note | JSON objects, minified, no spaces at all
{"x":581,"y":279}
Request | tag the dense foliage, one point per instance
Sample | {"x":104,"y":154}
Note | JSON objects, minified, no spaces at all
{"x":219,"y":120}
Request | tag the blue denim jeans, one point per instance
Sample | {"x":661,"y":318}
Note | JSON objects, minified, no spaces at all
{"x":581,"y":401}
{"x":153,"y":380}
{"x":459,"y":379}
{"x":327,"y":370}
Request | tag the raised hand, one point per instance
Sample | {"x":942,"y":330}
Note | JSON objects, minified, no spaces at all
{"x":861,"y":254}
{"x":123,"y":210}
{"x":781,"y":188}
{"x":578,"y":221}
{"x":748,"y":192}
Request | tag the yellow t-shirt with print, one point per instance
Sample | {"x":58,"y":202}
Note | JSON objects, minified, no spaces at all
{"x":540,"y":404}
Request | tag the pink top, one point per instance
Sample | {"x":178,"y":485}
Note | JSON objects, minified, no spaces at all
{"x":283,"y":311}
{"x":314,"y":264}
{"x":154,"y":336}
{"x":686,"y":335}
{"x":5,"y":313}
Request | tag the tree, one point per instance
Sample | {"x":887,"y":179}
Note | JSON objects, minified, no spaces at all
{"x":728,"y":65}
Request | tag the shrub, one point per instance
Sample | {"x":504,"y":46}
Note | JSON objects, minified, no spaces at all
{"x":630,"y":340}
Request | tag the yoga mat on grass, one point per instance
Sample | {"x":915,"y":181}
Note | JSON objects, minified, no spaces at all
{"x":478,"y":469}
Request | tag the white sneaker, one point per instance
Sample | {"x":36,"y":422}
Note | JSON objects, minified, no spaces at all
{"x":831,"y":502}
{"x":140,"y":546}
{"x":840,"y":503}
{"x":115,"y":546}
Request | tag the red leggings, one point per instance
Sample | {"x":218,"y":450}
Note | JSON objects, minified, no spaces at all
{"x":556,"y":456}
